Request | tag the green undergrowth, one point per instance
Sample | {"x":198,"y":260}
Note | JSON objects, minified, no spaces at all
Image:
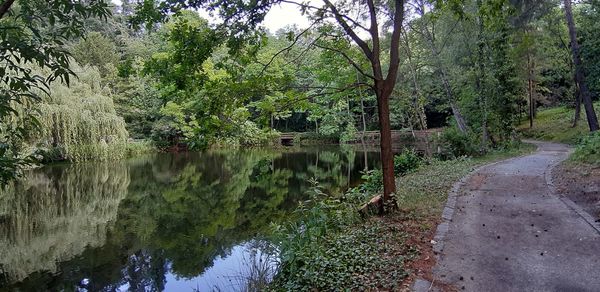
{"x":422,"y":194}
{"x":136,"y":148}
{"x":555,"y":124}
{"x":588,"y":150}
{"x":331,"y":248}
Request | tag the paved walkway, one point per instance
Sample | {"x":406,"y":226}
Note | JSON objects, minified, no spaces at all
{"x":510,"y":232}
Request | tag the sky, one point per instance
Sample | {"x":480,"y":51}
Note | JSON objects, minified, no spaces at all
{"x":278,"y":17}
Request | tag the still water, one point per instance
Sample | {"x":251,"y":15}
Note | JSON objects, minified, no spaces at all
{"x":174,"y":222}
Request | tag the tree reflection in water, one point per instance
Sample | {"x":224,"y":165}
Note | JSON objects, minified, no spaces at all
{"x":152,"y":223}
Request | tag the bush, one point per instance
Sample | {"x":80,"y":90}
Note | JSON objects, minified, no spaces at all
{"x":312,"y":138}
{"x":372,"y":181}
{"x":165,"y":134}
{"x":136,"y":148}
{"x":407,"y":162}
{"x":456,"y":144}
{"x":588,"y":149}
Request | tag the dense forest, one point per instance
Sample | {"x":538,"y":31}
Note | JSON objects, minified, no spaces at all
{"x":95,"y":80}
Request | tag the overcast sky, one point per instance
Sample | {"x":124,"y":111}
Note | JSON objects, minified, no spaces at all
{"x":278,"y":17}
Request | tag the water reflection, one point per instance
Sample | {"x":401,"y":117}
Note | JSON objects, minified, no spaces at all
{"x":164,"y":222}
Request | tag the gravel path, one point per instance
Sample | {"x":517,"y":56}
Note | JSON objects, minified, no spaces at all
{"x":510,"y":232}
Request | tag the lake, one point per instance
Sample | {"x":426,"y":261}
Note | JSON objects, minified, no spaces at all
{"x":168,"y":221}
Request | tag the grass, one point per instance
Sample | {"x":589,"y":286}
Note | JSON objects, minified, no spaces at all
{"x":381,"y":252}
{"x":423,"y":194}
{"x":554,"y":124}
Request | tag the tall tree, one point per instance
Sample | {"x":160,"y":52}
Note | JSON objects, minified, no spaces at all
{"x":34,"y":32}
{"x":579,"y":73}
{"x":429,"y":36}
{"x":382,"y":23}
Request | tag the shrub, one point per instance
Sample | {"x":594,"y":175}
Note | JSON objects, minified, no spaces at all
{"x":139,"y":147}
{"x":165,"y":134}
{"x":456,"y":144}
{"x":372,"y":181}
{"x":588,"y":149}
{"x":407,"y":162}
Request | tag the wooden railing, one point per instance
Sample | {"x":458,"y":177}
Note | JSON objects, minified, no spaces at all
{"x":420,"y":140}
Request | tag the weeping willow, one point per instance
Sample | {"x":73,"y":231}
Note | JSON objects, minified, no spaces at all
{"x":55,"y":213}
{"x":79,"y":121}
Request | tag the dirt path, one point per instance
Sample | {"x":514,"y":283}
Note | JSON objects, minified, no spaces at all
{"x":510,"y":232}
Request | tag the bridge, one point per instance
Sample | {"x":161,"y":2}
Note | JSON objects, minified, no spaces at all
{"x":420,"y":140}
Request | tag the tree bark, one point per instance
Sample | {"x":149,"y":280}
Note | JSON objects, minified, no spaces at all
{"x":387,"y":155}
{"x":362,"y":111}
{"x":577,"y":106}
{"x":383,"y":86}
{"x":530,"y":90}
{"x":5,"y":6}
{"x":584,"y":92}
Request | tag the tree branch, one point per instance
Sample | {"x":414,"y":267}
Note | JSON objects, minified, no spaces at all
{"x":347,"y":58}
{"x":5,"y":6}
{"x":346,"y":17}
{"x":395,"y":42}
{"x":286,"y":49}
{"x":340,"y":19}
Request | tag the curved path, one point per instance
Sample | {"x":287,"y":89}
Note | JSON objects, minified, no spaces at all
{"x":509,"y":231}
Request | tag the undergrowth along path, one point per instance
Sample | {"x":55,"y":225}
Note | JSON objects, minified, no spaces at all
{"x":511,"y":232}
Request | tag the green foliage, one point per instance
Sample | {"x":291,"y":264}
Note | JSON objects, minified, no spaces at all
{"x":456,"y":144}
{"x":407,"y":162}
{"x":322,"y":250}
{"x":79,"y":122}
{"x":372,"y":181}
{"x":589,"y":34}
{"x":137,"y":148}
{"x":588,"y":149}
{"x":34,"y":32}
{"x":555,"y":124}
{"x":312,"y":138}
{"x":96,"y":50}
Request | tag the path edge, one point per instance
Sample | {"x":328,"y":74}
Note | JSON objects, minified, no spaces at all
{"x":570,"y":204}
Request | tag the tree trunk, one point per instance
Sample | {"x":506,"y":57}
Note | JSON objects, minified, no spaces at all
{"x":5,"y":6}
{"x":419,"y":110}
{"x":530,"y":91}
{"x":577,"y":106}
{"x":460,"y":121}
{"x":584,"y":92}
{"x":362,"y":111}
{"x":387,"y":156}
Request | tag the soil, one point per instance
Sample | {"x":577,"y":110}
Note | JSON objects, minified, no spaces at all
{"x":581,"y":184}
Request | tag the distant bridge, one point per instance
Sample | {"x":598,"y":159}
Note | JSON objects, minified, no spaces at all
{"x":420,"y":140}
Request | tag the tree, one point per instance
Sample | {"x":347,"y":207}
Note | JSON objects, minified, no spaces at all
{"x":33,"y":32}
{"x":96,"y":50}
{"x":429,"y":37}
{"x":383,"y":24}
{"x":579,"y":71}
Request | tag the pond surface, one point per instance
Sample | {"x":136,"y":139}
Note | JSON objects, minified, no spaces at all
{"x":174,"y":222}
